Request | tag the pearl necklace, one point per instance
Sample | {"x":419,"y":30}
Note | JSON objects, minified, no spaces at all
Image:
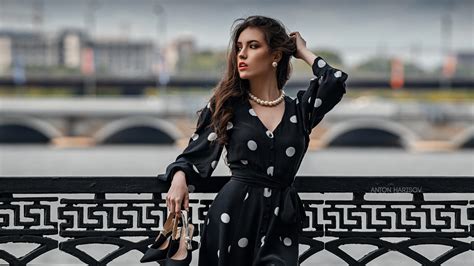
{"x":267,"y":103}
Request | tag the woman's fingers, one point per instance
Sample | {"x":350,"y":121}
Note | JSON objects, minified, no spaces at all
{"x":177,"y":198}
{"x":170,"y":205}
{"x":186,"y":201}
{"x":177,"y":206}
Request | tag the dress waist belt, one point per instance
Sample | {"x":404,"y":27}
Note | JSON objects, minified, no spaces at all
{"x":291,"y":207}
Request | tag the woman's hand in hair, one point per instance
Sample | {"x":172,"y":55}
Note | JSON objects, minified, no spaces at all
{"x":300,"y":44}
{"x":302,"y":52}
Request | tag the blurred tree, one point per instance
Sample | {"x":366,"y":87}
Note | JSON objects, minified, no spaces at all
{"x":375,"y":64}
{"x":205,"y":62}
{"x":381,"y":66}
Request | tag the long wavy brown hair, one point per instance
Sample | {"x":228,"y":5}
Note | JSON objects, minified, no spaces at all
{"x":231,"y":88}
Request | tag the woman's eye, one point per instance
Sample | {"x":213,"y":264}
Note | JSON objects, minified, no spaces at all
{"x":251,"y":46}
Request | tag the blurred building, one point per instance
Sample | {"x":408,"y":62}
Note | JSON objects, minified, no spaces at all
{"x":30,"y":48}
{"x":70,"y":44}
{"x":466,"y":59}
{"x":123,"y":57}
{"x":180,"y":50}
{"x":65,"y":49}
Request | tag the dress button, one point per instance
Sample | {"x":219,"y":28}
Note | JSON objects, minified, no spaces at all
{"x":269,"y":134}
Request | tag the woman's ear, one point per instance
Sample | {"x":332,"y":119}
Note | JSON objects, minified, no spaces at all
{"x":277,"y":55}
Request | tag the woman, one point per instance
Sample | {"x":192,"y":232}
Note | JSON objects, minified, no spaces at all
{"x":256,"y":217}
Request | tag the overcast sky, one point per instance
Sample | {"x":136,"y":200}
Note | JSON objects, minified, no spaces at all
{"x":353,"y":28}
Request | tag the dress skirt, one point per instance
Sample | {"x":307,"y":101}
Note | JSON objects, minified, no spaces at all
{"x":242,"y":228}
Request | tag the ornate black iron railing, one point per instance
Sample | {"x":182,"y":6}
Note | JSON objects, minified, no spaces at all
{"x":108,"y":210}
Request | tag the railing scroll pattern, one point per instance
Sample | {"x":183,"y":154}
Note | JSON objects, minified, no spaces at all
{"x":29,"y":214}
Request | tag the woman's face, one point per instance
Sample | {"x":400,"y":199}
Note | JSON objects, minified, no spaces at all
{"x":254,"y":52}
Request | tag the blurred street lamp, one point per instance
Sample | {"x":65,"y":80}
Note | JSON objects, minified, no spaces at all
{"x":38,"y":14}
{"x":90,"y":19}
{"x":90,"y":22}
{"x":446,"y":47}
{"x":161,"y":68}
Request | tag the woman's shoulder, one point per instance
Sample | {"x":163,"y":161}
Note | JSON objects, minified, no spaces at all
{"x":235,"y":103}
{"x":290,"y":99}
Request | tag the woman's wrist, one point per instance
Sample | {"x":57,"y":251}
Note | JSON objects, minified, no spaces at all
{"x":308,"y":56}
{"x":179,"y":177}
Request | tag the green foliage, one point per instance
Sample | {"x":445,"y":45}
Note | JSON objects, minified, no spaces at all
{"x":203,"y":61}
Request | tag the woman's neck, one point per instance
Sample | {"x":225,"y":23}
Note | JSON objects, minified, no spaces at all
{"x":265,"y":88}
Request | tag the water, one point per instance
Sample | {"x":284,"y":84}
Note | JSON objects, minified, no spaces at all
{"x":149,"y":160}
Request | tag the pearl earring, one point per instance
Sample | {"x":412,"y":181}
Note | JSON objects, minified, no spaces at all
{"x":274,"y":64}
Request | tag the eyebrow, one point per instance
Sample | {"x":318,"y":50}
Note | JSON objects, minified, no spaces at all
{"x":248,"y":41}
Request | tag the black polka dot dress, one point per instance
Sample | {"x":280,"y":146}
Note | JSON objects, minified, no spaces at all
{"x":256,"y":217}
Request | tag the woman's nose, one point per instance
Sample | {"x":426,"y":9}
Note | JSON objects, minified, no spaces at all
{"x":241,"y":55}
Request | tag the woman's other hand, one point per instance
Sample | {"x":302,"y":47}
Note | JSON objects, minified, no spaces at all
{"x":178,"y":194}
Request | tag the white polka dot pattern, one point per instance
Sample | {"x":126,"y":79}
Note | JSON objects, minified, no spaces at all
{"x":290,"y":151}
{"x":252,"y":145}
{"x":267,"y":192}
{"x":195,"y":169}
{"x":317,"y":102}
{"x":243,"y":242}
{"x":321,"y":63}
{"x":270,"y":170}
{"x":252,"y":112}
{"x":225,"y":218}
{"x":293,"y":119}
{"x":212,"y":136}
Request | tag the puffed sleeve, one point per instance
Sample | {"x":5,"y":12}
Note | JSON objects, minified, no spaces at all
{"x":324,"y":92}
{"x":200,"y":157}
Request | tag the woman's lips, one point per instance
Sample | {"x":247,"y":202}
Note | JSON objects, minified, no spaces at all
{"x":242,"y":67}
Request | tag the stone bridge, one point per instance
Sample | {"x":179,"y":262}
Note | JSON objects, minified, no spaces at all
{"x":362,"y":122}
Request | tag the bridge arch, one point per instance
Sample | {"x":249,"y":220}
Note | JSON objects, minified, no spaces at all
{"x":369,"y":132}
{"x":465,"y":139}
{"x":137,"y":130}
{"x":21,"y":129}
